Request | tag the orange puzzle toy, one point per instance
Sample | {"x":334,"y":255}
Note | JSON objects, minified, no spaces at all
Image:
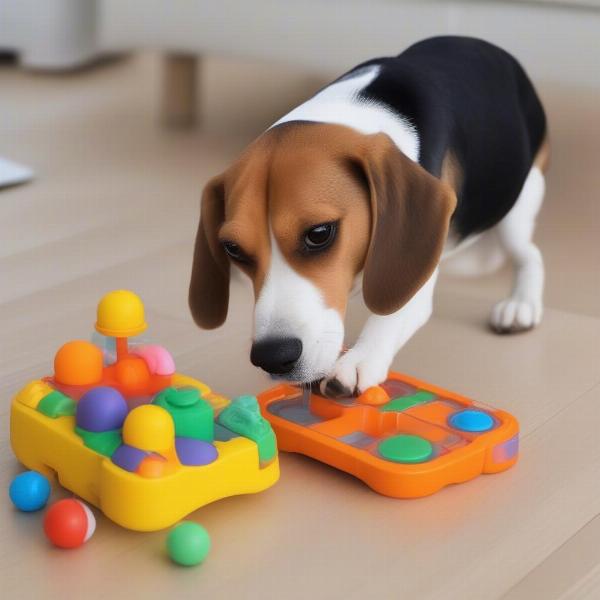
{"x":404,"y":438}
{"x":124,"y":431}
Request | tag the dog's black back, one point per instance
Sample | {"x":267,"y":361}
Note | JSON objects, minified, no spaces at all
{"x":473,"y":98}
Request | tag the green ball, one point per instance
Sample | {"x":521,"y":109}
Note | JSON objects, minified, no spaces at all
{"x":188,"y":543}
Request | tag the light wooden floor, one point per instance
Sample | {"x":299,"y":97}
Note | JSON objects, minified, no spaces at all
{"x":115,"y":205}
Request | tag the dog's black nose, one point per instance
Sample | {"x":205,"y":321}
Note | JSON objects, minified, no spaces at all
{"x":276,"y":355}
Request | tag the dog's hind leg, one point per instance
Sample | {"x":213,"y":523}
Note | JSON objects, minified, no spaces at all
{"x":483,"y":256}
{"x":523,"y":308}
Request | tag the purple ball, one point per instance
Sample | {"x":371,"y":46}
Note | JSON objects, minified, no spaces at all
{"x":192,"y":452}
{"x":101,"y":409}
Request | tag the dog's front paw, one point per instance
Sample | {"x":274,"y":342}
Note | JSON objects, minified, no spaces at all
{"x":515,"y":314}
{"x":354,"y":372}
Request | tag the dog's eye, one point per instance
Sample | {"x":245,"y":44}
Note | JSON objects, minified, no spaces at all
{"x":234,"y":251}
{"x":320,"y":236}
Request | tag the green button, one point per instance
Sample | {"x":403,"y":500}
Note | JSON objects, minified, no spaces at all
{"x":405,"y":448}
{"x":193,"y":416}
{"x":405,"y":402}
{"x":103,"y":442}
{"x":180,"y":397}
{"x":56,"y":405}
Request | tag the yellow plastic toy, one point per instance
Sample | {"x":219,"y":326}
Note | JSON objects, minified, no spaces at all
{"x":144,"y":444}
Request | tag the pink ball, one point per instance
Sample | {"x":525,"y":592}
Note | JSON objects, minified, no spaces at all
{"x":158,"y":359}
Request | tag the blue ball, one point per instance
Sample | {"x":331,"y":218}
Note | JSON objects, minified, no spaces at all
{"x":29,"y":491}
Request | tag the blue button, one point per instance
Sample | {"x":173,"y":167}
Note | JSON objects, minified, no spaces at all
{"x":472,"y":420}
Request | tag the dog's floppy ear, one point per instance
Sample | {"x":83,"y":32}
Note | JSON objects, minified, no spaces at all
{"x":209,"y":284}
{"x":410,"y":211}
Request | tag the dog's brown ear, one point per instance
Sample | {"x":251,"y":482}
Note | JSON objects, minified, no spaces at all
{"x":209,"y":284}
{"x":411,"y":213}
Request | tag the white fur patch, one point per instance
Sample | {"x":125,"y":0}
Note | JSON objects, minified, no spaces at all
{"x":290,"y":305}
{"x":339,"y":104}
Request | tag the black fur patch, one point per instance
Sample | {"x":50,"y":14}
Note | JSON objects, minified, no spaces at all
{"x":473,"y":98}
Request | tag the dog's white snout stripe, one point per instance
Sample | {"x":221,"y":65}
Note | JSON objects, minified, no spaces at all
{"x":290,"y":305}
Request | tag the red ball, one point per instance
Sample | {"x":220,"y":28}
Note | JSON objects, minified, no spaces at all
{"x":69,"y":523}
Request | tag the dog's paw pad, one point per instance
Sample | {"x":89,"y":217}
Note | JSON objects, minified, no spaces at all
{"x":513,"y":315}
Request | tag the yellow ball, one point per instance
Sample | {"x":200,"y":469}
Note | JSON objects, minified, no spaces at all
{"x":120,"y":314}
{"x":149,"y":427}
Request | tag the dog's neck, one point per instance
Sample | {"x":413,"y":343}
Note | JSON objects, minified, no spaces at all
{"x":339,"y":103}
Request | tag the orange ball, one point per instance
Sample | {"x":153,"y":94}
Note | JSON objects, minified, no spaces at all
{"x":132,"y":372}
{"x":78,"y":363}
{"x":375,"y":396}
{"x":69,"y":523}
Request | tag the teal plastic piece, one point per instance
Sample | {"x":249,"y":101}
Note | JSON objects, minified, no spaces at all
{"x":243,"y":417}
{"x":103,"y":442}
{"x":56,"y":405}
{"x":193,"y":416}
{"x":406,"y":402}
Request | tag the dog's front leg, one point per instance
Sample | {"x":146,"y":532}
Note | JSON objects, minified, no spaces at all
{"x":368,"y":362}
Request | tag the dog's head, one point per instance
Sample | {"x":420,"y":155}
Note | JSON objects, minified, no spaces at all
{"x":304,"y":212}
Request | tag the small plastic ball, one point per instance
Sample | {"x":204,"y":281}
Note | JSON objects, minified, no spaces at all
{"x":29,"y":491}
{"x":78,"y":363}
{"x":374,"y":396}
{"x":188,"y":544}
{"x":132,"y":371}
{"x":149,"y":427}
{"x":69,"y":523}
{"x":120,"y":313}
{"x":101,"y":409}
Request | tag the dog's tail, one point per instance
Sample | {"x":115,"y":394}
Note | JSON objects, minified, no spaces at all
{"x":482,"y":257}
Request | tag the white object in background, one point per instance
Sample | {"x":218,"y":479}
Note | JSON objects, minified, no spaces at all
{"x":13,"y":173}
{"x":53,"y":34}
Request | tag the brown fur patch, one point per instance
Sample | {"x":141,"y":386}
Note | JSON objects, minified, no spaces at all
{"x":451,"y":171}
{"x":411,"y":214}
{"x":542,"y":158}
{"x":209,"y":309}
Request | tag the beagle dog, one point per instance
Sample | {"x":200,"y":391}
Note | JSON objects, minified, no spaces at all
{"x":399,"y":164}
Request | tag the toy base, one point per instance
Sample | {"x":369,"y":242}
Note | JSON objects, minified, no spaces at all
{"x":51,"y":447}
{"x":347,"y":435}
